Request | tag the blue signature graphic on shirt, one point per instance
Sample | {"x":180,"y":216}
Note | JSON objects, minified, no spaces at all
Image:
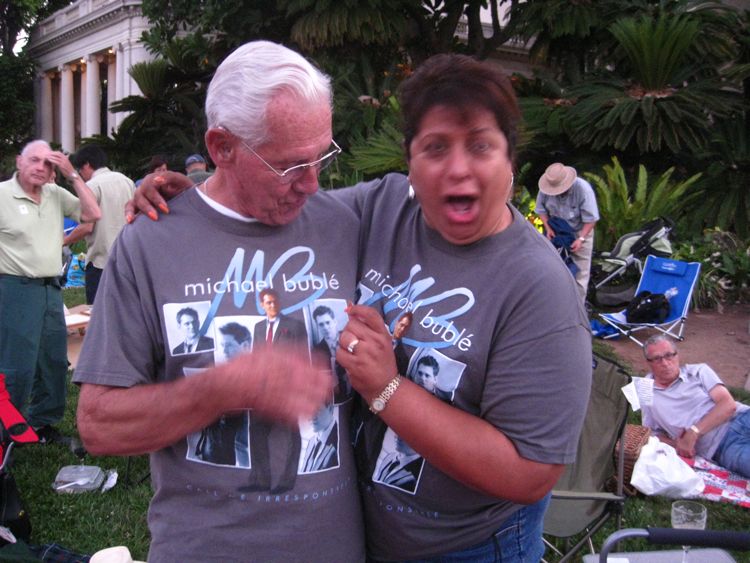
{"x":240,"y":283}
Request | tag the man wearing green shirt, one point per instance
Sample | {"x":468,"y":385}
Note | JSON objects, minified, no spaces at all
{"x":33,"y":345}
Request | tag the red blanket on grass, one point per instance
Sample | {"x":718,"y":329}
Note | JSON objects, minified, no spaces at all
{"x":721,"y":484}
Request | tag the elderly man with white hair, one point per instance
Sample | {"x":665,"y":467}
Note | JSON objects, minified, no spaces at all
{"x":254,"y":224}
{"x":33,"y":337}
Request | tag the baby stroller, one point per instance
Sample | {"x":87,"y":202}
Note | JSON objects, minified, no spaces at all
{"x":615,"y":274}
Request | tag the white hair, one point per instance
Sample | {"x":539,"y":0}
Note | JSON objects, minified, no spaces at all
{"x":247,"y":80}
{"x":31,"y":144}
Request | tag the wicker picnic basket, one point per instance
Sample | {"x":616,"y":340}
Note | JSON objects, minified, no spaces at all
{"x":635,"y":438}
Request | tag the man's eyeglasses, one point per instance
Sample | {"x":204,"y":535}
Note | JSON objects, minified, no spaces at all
{"x":667,"y":356}
{"x":294,"y":173}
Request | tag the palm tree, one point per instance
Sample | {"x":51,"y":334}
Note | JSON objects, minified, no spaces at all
{"x":168,"y":117}
{"x":565,"y":36}
{"x":655,"y":97}
{"x":724,"y":198}
{"x":624,"y":208}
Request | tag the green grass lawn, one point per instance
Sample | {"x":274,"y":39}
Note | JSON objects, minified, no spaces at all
{"x":88,"y":522}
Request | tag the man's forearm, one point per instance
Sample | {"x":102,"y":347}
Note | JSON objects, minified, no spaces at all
{"x":722,"y":411}
{"x":545,"y":222}
{"x":90,"y":212}
{"x":279,"y":384}
{"x":145,"y":418}
{"x":586,"y":229}
{"x":80,"y":232}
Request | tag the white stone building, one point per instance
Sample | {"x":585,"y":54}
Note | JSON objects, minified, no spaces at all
{"x":83,"y":54}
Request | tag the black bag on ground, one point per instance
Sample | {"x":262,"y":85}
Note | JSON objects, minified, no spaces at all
{"x":647,"y":307}
{"x":13,"y":515}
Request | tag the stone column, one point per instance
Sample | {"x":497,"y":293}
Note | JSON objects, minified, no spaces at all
{"x":93,"y":98}
{"x":82,"y":95}
{"x":67,"y":127}
{"x":46,"y":126}
{"x":111,"y":92}
{"x":120,"y":79}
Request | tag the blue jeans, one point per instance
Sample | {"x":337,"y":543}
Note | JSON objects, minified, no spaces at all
{"x":518,"y":540}
{"x":734,"y":451}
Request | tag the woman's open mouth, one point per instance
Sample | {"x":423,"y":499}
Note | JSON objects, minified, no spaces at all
{"x":461,"y":208}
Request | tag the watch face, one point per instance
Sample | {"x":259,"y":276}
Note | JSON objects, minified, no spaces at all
{"x":378,"y":404}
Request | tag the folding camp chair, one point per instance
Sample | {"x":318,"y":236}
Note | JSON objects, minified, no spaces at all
{"x":14,"y":430}
{"x":660,"y":275}
{"x":581,"y":503}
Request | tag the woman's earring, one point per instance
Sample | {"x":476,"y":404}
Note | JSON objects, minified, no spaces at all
{"x":411,"y":190}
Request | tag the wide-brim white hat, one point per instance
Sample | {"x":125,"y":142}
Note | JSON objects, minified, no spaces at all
{"x":557,"y":179}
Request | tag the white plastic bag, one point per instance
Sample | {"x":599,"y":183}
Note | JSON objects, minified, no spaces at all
{"x":660,"y":471}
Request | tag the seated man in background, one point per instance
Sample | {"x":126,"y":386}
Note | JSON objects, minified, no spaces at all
{"x":694,"y":411}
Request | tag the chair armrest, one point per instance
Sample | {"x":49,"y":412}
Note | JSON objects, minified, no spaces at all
{"x":586,"y":495}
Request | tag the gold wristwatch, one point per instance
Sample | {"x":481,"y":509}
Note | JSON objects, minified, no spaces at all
{"x":381,"y":401}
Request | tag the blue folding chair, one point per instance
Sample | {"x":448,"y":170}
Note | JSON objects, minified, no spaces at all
{"x":69,"y":225}
{"x":659,"y":276}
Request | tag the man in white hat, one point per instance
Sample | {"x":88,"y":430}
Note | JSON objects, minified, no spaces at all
{"x":563,"y":194}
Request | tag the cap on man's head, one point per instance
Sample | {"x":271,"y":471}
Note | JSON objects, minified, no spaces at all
{"x":557,"y":179}
{"x":193,"y":159}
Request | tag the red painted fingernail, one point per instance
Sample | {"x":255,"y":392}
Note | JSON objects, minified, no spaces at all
{"x":153,"y":216}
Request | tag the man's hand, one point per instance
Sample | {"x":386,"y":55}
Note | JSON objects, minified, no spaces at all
{"x":154,"y":192}
{"x":685,"y":444}
{"x":278,"y":383}
{"x":62,"y":163}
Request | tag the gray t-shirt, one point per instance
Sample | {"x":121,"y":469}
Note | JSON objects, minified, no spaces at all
{"x":498,"y":331}
{"x":684,"y":403}
{"x":199,"y":511}
{"x":577,"y":205}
